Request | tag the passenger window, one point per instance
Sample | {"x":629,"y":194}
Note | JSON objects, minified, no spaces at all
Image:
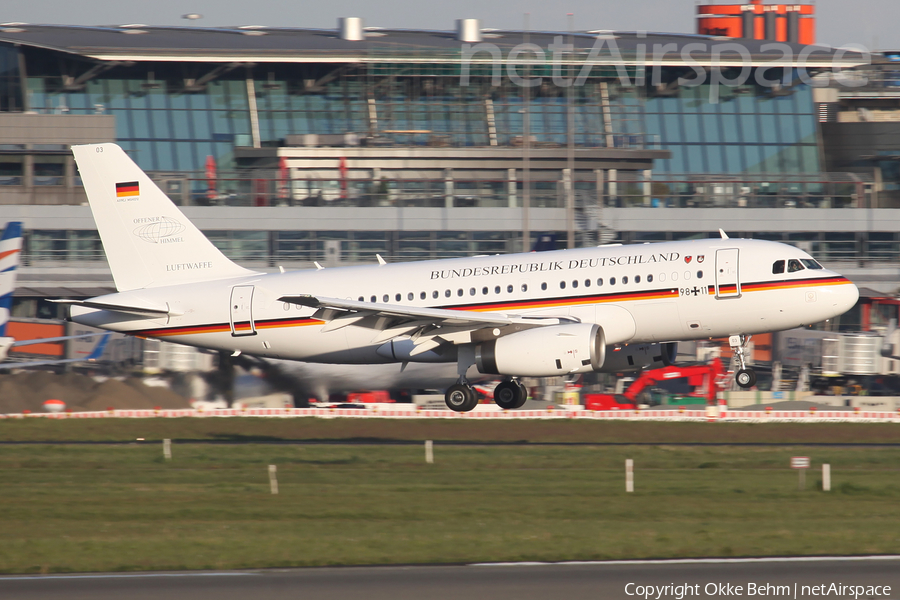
{"x":612,"y":281}
{"x":459,"y":292}
{"x":637,"y":278}
{"x":811,"y":264}
{"x":562,"y":285}
{"x":398,"y":297}
{"x":649,"y":278}
{"x":361,"y":299}
{"x":699,"y":274}
{"x":386,"y":298}
{"x":509,"y":289}
{"x":524,"y":287}
{"x":497,"y":289}
{"x":423,"y":295}
{"x":410,"y":296}
{"x":446,"y":293}
{"x":600,"y":282}
{"x":484,"y":290}
{"x":778,"y":267}
{"x":544,"y":286}
{"x":434,"y":294}
{"x":575,"y":284}
{"x":794,"y":266}
{"x":587,"y":283}
{"x":624,"y":279}
{"x":471,"y":291}
{"x":373,"y":299}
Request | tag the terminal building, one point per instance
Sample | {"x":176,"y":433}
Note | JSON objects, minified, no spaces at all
{"x":288,"y":146}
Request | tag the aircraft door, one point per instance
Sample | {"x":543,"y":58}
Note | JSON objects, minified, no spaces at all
{"x":728,"y":282}
{"x":241,"y":311}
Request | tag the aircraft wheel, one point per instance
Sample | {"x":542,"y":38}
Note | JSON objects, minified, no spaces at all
{"x":746,"y":378}
{"x":460,"y":397}
{"x":508,"y":394}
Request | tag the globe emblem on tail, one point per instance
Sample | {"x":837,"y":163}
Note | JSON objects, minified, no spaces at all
{"x":162,"y":227}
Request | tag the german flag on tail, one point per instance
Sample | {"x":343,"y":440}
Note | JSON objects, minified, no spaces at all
{"x":127,"y":189}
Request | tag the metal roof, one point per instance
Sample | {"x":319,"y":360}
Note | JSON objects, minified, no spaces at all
{"x":259,"y":44}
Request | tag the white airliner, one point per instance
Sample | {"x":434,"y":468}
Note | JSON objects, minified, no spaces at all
{"x":534,"y":314}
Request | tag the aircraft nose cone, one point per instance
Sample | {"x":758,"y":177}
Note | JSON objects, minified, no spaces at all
{"x":851,"y":295}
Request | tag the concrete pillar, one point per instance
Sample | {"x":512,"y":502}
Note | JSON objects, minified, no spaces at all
{"x":613,"y":186}
{"x":511,"y":191}
{"x":648,"y":187}
{"x":448,"y":188}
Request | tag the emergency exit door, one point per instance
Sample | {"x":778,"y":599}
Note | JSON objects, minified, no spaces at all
{"x":728,"y":282}
{"x":241,"y":310}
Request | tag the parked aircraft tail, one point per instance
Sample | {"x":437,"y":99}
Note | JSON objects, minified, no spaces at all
{"x":148,"y":241}
{"x":10,"y":250}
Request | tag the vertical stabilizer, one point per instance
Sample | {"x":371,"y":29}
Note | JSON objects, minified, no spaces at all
{"x":147,"y":240}
{"x":10,"y":250}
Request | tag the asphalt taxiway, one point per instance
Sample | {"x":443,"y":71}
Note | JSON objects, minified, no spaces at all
{"x":713,"y":578}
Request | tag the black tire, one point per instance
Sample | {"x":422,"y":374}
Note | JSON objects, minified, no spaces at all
{"x":460,"y":398}
{"x":745,"y":378}
{"x":523,"y":395}
{"x":508,"y":395}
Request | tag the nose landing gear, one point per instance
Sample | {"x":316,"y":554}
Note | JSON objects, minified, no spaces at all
{"x":745,"y":378}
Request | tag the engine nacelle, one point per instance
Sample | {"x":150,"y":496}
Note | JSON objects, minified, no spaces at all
{"x":631,"y":357}
{"x":544,"y":351}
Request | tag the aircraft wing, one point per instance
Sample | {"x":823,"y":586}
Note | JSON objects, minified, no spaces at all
{"x":428,"y":327}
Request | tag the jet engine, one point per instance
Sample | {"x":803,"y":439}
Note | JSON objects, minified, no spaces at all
{"x":631,"y":357}
{"x":544,"y":351}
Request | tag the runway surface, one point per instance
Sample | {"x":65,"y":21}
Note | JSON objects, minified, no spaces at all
{"x":569,"y":581}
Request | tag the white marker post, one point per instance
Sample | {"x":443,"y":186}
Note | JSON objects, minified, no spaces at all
{"x":826,"y":478}
{"x":629,"y":475}
{"x":167,"y":449}
{"x":429,"y":451}
{"x":273,"y":479}
{"x":801,"y":463}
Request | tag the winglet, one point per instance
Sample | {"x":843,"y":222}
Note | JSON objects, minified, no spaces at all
{"x":723,"y":234}
{"x":10,"y":249}
{"x":381,"y":261}
{"x":318,"y":266}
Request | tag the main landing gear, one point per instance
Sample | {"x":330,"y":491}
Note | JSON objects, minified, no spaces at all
{"x":508,"y":395}
{"x":461,"y":397}
{"x":745,"y":378}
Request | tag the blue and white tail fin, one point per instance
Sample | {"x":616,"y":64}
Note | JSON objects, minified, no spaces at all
{"x":10,"y":250}
{"x":147,"y":240}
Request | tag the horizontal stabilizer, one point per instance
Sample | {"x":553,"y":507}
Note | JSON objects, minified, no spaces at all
{"x":143,"y":311}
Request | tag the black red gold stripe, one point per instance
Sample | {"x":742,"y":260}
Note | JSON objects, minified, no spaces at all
{"x":564,"y":301}
{"x":130,"y":188}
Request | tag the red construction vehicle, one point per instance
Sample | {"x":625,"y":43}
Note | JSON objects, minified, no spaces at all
{"x":707,"y":379}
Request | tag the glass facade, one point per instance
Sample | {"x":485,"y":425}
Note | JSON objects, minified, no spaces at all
{"x":171,"y":126}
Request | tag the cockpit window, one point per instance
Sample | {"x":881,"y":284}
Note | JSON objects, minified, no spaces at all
{"x":778,"y":267}
{"x":794,"y":266}
{"x":811,"y":264}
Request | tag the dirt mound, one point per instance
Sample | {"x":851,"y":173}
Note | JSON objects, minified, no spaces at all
{"x":28,"y":390}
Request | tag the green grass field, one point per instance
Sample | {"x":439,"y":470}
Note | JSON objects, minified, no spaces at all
{"x":122,"y":507}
